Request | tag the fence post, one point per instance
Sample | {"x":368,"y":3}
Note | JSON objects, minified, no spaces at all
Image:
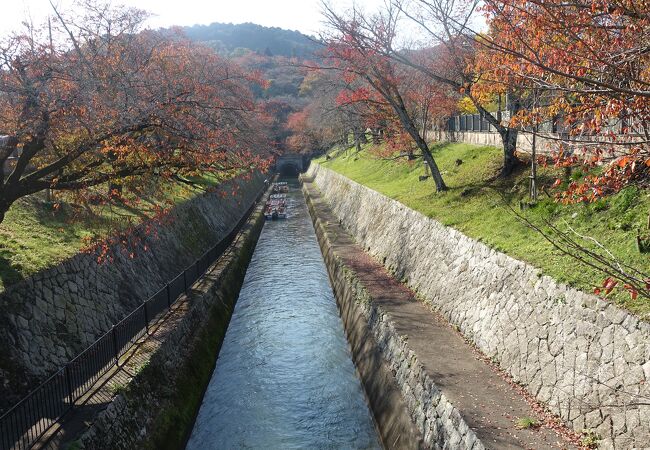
{"x":114,"y":336}
{"x":146,"y":317}
{"x":169,"y":296}
{"x":185,"y":280}
{"x":68,"y":382}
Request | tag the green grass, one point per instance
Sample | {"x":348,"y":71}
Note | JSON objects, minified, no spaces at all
{"x":476,"y":205}
{"x":35,"y":235}
{"x":524,"y":423}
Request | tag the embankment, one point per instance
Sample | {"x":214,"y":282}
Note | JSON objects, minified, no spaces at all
{"x":426,"y":387}
{"x":585,"y":358}
{"x":158,"y":408}
{"x":50,"y":317}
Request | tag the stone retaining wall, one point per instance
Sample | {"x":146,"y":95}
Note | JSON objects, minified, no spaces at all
{"x":544,"y":145}
{"x":50,"y":317}
{"x":158,"y":408}
{"x":587,"y":359}
{"x":524,"y":140}
{"x":411,"y":412}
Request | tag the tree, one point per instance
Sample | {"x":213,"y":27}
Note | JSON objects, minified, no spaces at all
{"x":333,"y":120}
{"x":590,"y":64}
{"x":360,"y":58}
{"x":449,"y":58}
{"x":97,"y":100}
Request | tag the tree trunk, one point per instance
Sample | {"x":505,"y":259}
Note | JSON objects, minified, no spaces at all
{"x":375,"y":136}
{"x":435,"y":171}
{"x":510,"y":160}
{"x":508,"y":137}
{"x":4,"y":207}
{"x":426,"y":154}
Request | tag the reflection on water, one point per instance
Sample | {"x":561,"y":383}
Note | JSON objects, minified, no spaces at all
{"x":284,"y":378}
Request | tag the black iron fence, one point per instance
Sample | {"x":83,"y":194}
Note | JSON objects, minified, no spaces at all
{"x":26,"y":422}
{"x":471,"y":122}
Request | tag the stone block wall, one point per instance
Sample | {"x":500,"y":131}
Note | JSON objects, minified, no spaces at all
{"x":585,"y":358}
{"x":411,"y":412}
{"x":154,"y":411}
{"x":524,"y":140}
{"x":50,"y":317}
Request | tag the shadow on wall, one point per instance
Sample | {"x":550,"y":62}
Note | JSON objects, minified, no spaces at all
{"x":8,"y":273}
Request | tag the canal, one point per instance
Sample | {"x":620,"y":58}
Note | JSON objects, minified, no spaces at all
{"x":284,"y":378}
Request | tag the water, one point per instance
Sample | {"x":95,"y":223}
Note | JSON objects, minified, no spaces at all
{"x":284,"y":378}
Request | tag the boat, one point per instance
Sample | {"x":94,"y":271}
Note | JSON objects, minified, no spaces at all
{"x":276,"y":207}
{"x":280,"y":186}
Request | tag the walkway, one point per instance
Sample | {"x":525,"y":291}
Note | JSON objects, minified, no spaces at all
{"x":117,"y":378}
{"x":488,"y":404}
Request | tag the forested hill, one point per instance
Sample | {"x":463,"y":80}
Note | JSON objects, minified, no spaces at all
{"x":227,"y":38}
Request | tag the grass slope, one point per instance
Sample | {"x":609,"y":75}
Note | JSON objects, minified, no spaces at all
{"x":476,"y":205}
{"x":35,"y":236}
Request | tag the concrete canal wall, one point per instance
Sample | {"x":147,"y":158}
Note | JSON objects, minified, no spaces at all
{"x":50,"y":317}
{"x":585,"y":358}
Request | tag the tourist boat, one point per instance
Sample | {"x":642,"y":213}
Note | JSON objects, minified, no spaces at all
{"x":279,"y":187}
{"x":276,"y":207}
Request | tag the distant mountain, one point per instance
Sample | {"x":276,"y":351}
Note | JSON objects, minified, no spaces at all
{"x":228,"y":39}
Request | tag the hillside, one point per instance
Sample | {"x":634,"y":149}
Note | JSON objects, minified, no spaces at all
{"x":227,"y":38}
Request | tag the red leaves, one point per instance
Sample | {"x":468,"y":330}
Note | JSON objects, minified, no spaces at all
{"x":633,"y":292}
{"x":177,"y":115}
{"x":608,"y":285}
{"x":358,"y":95}
{"x":621,"y":172}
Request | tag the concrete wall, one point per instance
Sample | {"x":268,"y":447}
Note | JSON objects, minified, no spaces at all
{"x":49,"y":318}
{"x":544,"y":145}
{"x":588,"y":360}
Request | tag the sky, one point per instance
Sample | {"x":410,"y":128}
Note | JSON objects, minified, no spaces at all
{"x":301,"y":15}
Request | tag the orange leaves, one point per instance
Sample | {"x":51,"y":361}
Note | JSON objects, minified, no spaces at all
{"x":621,"y":172}
{"x":624,"y":161}
{"x":153,"y":105}
{"x":633,"y":292}
{"x":609,"y":284}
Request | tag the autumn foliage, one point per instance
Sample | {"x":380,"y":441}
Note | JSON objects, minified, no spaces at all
{"x":589,"y":62}
{"x":96,"y":100}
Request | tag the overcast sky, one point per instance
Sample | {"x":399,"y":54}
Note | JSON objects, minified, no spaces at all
{"x":302,"y":15}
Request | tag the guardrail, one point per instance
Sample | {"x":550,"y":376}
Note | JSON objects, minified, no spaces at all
{"x":27,"y":421}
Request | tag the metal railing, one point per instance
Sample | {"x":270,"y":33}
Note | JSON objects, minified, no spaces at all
{"x":472,"y":122}
{"x":552,"y":125}
{"x":27,"y":421}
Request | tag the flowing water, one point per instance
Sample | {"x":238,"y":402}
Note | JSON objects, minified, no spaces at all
{"x":284,"y":378}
